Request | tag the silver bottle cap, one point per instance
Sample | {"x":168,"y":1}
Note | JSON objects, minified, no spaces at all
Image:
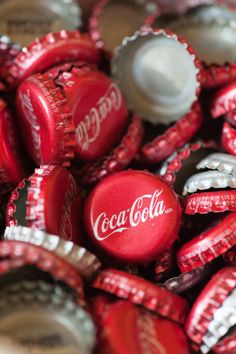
{"x":25,"y":20}
{"x":224,"y":319}
{"x":211,"y":31}
{"x":86,"y":262}
{"x":157,"y":74}
{"x":206,"y":180}
{"x":218,"y":161}
{"x":41,"y":318}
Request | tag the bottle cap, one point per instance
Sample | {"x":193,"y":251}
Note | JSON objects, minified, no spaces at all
{"x":142,"y":292}
{"x":174,"y":137}
{"x":186,"y":281}
{"x":155,"y":87}
{"x":132,"y":208}
{"x":86,"y":262}
{"x":207,"y":180}
{"x":12,"y":164}
{"x":45,"y":202}
{"x":182,"y":164}
{"x":139,"y":332}
{"x":210,"y":202}
{"x":108,"y":26}
{"x":208,"y":245}
{"x":24,"y":20}
{"x":228,"y":138}
{"x":218,"y":161}
{"x":45,"y":120}
{"x":19,"y":254}
{"x":226,"y":345}
{"x":99,"y":111}
{"x":117,"y":160}
{"x":202,"y":27}
{"x":42,"y":318}
{"x":53,"y":49}
{"x":212,"y":313}
{"x":223,"y":100}
{"x":81,"y":110}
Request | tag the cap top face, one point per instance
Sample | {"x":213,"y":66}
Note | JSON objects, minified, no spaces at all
{"x":155,"y":87}
{"x":24,"y":20}
{"x":100,"y":114}
{"x":132,"y":208}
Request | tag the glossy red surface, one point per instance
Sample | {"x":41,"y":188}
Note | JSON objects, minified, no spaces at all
{"x":207,"y":202}
{"x":209,"y":300}
{"x":12,"y":162}
{"x":138,"y":332}
{"x":133,"y":216}
{"x":53,"y":49}
{"x":208,"y":245}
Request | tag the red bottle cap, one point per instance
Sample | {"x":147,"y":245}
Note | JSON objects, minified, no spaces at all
{"x":212,"y":307}
{"x":217,"y":75}
{"x":154,"y":86}
{"x":12,"y":164}
{"x":182,"y":163}
{"x":117,"y":160}
{"x":228,"y":138}
{"x":45,"y":201}
{"x":209,"y":245}
{"x":139,"y":332}
{"x":108,"y":26}
{"x":227,"y":345}
{"x":53,"y":49}
{"x":19,"y":254}
{"x":210,"y":202}
{"x":98,"y":109}
{"x":82,"y":110}
{"x":83,"y":260}
{"x":132,"y":208}
{"x":174,"y":137}
{"x":142,"y":292}
{"x":223,"y":101}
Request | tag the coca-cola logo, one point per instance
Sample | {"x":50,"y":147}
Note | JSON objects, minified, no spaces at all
{"x":145,"y":208}
{"x":89,"y":128}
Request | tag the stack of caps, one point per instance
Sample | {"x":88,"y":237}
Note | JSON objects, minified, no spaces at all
{"x":113,"y":240}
